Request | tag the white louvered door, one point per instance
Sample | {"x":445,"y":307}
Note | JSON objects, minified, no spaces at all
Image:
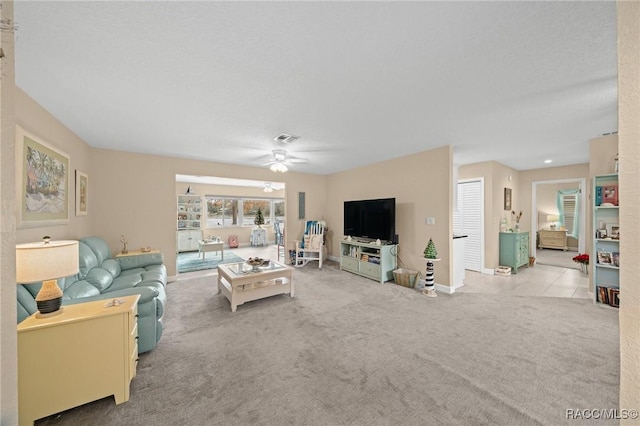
{"x":468,"y":220}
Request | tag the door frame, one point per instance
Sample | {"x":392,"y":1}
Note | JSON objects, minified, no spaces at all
{"x":482,"y":224}
{"x":582,"y":233}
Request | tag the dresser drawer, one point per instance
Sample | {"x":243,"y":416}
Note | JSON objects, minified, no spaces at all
{"x":349,"y":263}
{"x":370,"y":269}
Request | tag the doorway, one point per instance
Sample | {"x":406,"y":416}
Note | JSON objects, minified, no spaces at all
{"x":552,"y":201}
{"x":468,"y":219}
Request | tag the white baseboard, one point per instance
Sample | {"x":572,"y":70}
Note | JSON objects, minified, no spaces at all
{"x":488,"y":271}
{"x":444,"y":288}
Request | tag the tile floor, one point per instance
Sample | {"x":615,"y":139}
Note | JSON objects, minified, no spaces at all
{"x":539,"y":280}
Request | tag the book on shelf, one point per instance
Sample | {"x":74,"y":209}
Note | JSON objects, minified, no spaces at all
{"x":603,"y":294}
{"x":614,"y":297}
{"x":610,"y":194}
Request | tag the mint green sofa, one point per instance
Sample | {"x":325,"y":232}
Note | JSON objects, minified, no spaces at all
{"x":104,"y":277}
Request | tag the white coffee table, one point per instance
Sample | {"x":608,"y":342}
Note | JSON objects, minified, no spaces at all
{"x":205,"y":246}
{"x":239,"y":283}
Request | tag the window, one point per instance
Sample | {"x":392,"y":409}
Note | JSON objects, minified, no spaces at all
{"x":569,"y":209}
{"x":225,"y":212}
{"x":221,"y":212}
{"x":250,"y":210}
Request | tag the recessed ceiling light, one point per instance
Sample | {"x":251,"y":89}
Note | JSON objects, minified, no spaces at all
{"x":547,"y":161}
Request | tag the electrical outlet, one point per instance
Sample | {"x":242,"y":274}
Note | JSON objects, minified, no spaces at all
{"x":431,"y":221}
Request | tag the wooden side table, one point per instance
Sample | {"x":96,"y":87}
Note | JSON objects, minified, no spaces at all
{"x":136,"y":252}
{"x":85,"y":353}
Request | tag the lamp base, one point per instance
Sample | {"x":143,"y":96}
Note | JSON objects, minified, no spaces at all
{"x":49,"y":314}
{"x":49,"y":306}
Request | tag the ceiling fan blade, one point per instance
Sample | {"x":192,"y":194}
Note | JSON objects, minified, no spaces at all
{"x":268,"y":163}
{"x":297,"y":160}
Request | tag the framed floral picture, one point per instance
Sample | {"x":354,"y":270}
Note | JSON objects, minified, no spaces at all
{"x":42,"y":184}
{"x":82,"y":188}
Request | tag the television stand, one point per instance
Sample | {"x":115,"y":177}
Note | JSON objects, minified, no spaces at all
{"x":369,"y":259}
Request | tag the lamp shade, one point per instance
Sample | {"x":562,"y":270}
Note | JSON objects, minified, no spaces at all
{"x":46,"y":260}
{"x":553,"y":218}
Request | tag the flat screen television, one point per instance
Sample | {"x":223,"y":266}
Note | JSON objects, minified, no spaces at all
{"x":370,"y":219}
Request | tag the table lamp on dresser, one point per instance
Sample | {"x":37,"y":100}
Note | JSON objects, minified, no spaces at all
{"x":553,"y":218}
{"x":47,"y":261}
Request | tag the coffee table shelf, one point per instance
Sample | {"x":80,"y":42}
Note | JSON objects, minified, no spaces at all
{"x":240,"y":284}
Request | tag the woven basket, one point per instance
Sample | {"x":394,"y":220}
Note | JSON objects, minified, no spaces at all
{"x":406,"y":277}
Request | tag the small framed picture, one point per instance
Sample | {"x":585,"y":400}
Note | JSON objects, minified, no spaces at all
{"x":601,"y":234}
{"x":605,"y":258}
{"x":613,"y":230}
{"x":614,"y":297}
{"x":507,"y":198}
{"x":615,"y":258}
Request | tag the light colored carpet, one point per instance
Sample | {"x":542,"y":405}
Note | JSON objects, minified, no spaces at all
{"x":192,"y":261}
{"x":349,"y":351}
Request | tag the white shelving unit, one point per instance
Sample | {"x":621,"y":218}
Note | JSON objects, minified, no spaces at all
{"x":370,"y":260}
{"x":189,"y":220}
{"x":605,"y":256}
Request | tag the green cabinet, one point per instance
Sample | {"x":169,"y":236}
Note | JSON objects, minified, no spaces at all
{"x":514,"y":250}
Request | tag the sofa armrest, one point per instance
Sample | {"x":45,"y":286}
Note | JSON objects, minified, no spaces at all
{"x":140,"y":260}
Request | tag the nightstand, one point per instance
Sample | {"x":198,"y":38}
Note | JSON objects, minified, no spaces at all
{"x":87,"y":352}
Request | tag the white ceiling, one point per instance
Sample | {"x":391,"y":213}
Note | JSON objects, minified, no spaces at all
{"x":360,"y":82}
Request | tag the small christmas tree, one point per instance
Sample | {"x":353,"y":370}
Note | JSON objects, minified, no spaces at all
{"x":259,"y":220}
{"x":430,"y":252}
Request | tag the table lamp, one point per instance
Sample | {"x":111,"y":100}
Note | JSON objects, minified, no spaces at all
{"x":47,"y":261}
{"x":553,"y":218}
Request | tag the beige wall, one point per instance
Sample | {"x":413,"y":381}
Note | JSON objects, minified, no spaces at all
{"x":421,"y":185}
{"x":242,"y":232}
{"x":629,"y":181}
{"x":135,"y":195}
{"x":8,"y":335}
{"x":38,"y":121}
{"x":497,"y":177}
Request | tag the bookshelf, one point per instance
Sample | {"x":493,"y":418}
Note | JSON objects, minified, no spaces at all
{"x":605,"y":256}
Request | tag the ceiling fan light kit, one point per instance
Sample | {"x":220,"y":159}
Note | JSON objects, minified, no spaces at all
{"x":279,"y":167}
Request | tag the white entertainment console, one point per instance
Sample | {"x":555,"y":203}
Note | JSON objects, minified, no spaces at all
{"x":368,"y":259}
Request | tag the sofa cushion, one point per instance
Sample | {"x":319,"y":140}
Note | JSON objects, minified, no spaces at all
{"x":99,"y":247}
{"x":87,"y":260}
{"x":113,"y":266}
{"x":99,"y":278}
{"x":124,"y":281}
{"x":80,"y":289}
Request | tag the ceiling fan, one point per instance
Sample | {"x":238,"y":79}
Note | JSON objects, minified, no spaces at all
{"x":281,"y":159}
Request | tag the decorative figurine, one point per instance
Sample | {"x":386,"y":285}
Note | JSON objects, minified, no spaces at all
{"x":123,"y":240}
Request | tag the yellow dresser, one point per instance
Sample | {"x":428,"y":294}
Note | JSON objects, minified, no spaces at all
{"x":87,"y":352}
{"x":551,"y":238}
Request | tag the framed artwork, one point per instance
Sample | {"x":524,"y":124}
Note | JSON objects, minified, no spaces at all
{"x":605,"y":257}
{"x":613,"y":231}
{"x":82,"y":186}
{"x":614,"y":297}
{"x":601,"y":234}
{"x":507,"y":198}
{"x":42,"y":184}
{"x":301,"y":206}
